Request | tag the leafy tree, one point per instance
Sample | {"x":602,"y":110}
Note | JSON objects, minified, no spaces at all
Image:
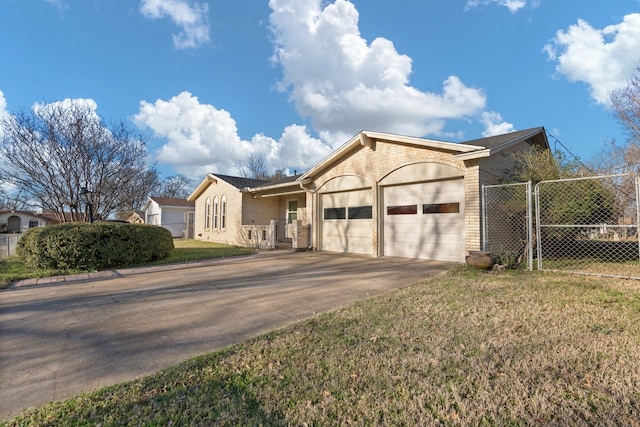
{"x":56,"y":149}
{"x":539,"y":164}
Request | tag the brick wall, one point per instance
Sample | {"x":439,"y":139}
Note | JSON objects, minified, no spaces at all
{"x":375,"y":163}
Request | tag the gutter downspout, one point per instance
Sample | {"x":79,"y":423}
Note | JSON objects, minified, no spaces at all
{"x":313,"y":196}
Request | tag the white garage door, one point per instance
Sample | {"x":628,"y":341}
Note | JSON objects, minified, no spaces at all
{"x":346,"y":222}
{"x":425,"y":220}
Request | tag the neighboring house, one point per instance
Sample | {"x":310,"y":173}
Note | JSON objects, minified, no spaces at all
{"x":135,"y":217}
{"x":19,"y":221}
{"x":378,"y":194}
{"x":170,"y":213}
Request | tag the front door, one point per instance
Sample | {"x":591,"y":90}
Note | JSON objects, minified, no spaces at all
{"x":292,"y":215}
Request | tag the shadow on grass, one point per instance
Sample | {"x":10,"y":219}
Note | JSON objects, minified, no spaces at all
{"x":199,"y":393}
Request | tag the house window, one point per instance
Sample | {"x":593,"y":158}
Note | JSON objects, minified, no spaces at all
{"x":436,"y":208}
{"x":223,"y":212}
{"x":360,"y":212}
{"x":335,"y":213}
{"x":207,"y":213}
{"x":33,"y":224}
{"x":249,"y":234}
{"x":215,"y":213}
{"x":264,"y":234}
{"x":402,"y":210}
{"x":292,"y":211}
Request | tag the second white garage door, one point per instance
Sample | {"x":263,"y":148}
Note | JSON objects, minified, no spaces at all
{"x":425,"y":220}
{"x":346,"y":222}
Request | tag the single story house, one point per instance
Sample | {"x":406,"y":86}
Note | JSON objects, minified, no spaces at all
{"x":171,"y":213}
{"x":15,"y":221}
{"x":378,"y":194}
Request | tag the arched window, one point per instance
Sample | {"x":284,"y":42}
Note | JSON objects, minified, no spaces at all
{"x":207,"y":213}
{"x":223,"y":212}
{"x":215,"y":213}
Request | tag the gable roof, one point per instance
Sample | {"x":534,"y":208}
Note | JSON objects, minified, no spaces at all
{"x":235,"y":181}
{"x":240,"y":182}
{"x":476,"y":148}
{"x":367,"y":139}
{"x":494,"y":144}
{"x":172,"y":201}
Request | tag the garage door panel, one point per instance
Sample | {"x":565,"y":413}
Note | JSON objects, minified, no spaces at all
{"x":344,"y":234}
{"x":438,"y":236}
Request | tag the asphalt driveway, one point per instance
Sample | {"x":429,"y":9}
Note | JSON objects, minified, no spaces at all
{"x":78,"y":334}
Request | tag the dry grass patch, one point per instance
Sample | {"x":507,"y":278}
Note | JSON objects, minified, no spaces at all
{"x":463,"y":349}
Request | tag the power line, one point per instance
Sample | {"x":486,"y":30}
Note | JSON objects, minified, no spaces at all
{"x":557,"y":141}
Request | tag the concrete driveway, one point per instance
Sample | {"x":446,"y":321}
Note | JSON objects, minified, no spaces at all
{"x":66,"y":337}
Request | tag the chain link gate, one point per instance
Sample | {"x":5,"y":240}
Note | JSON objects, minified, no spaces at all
{"x":507,"y":223}
{"x":589,"y":225}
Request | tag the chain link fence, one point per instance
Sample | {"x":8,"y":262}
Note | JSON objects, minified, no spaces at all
{"x":582,"y":225}
{"x":507,"y":223}
{"x":8,"y":243}
{"x":589,"y":225}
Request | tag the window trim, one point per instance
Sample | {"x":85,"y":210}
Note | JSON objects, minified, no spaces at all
{"x":440,"y":208}
{"x":366,"y":209}
{"x":223,"y":212}
{"x":207,"y":213}
{"x":290,"y":212}
{"x":402,"y":210}
{"x":341,"y":213}
{"x":215,"y":213}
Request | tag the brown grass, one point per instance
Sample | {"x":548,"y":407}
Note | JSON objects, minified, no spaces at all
{"x":464,"y":349}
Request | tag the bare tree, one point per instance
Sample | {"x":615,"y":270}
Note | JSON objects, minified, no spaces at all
{"x":626,"y":106}
{"x":135,"y":195}
{"x":255,"y":167}
{"x":56,"y":149}
{"x":177,"y":186}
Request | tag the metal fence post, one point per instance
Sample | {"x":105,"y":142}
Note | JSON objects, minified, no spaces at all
{"x":529,"y":228}
{"x":536,"y":193}
{"x":637,"y":181}
{"x":484,"y":218}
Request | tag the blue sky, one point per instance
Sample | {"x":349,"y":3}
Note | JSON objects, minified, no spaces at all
{"x":209,"y":82}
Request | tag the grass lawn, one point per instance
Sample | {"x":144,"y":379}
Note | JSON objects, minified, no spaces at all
{"x":467,"y":348}
{"x":185,"y":250}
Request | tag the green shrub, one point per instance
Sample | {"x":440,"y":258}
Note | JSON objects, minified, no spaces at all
{"x":85,"y":246}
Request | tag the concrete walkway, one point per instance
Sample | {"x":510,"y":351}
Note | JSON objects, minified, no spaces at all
{"x":62,"y":336}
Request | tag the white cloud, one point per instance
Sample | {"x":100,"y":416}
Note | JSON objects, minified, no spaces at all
{"x":191,"y":17}
{"x":494,"y":124}
{"x":604,"y":58}
{"x":345,"y":84}
{"x":202,"y":139}
{"x":513,"y":5}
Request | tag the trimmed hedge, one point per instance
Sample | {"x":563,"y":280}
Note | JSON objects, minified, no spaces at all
{"x":98,"y":246}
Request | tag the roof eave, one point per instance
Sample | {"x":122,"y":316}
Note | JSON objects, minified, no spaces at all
{"x":364,"y":138}
{"x":201,"y":187}
{"x":488,"y":152}
{"x":293,"y":185}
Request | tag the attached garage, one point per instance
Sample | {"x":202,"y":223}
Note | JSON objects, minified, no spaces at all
{"x":424,"y":220}
{"x":401,"y":196}
{"x":347,"y":222}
